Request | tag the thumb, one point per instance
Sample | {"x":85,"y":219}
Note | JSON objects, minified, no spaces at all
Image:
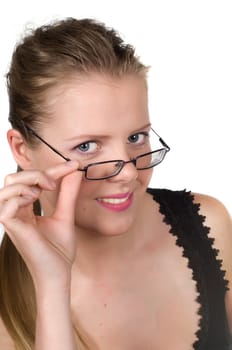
{"x":68,"y":193}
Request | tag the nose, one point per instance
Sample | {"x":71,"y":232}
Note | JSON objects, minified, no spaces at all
{"x":128,"y":172}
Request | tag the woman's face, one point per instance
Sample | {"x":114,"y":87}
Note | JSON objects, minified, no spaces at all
{"x":95,"y":119}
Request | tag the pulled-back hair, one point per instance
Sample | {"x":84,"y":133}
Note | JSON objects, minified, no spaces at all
{"x":54,"y":52}
{"x":41,"y":61}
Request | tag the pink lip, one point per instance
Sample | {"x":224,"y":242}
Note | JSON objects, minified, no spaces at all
{"x":119,"y":206}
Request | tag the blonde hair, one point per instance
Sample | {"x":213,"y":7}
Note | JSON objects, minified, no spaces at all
{"x":40,"y":61}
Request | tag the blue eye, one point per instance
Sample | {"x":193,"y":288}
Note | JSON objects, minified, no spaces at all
{"x":138,"y":138}
{"x":87,"y":147}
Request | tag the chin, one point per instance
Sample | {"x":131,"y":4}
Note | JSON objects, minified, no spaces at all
{"x":108,"y":227}
{"x":118,"y":230}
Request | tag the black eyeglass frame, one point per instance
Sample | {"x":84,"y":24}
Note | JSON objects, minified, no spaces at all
{"x":121,"y":162}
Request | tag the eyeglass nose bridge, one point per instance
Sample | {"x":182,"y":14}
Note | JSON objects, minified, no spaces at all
{"x":122,"y":164}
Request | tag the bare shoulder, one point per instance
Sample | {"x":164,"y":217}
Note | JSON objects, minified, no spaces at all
{"x":219,"y":220}
{"x":5,"y":340}
{"x":214,"y":209}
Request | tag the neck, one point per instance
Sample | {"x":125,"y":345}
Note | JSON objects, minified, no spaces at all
{"x":98,"y":253}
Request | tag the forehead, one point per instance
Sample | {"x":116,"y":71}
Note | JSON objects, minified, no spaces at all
{"x":98,"y":101}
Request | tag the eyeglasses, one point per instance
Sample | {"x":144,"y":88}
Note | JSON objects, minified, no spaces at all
{"x":109,"y":168}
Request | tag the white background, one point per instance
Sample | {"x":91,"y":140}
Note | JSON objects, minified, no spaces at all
{"x":189,"y":46}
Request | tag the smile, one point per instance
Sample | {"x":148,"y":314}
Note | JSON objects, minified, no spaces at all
{"x":113,"y":200}
{"x":116,"y":203}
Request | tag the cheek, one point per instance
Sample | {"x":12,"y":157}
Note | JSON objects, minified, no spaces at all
{"x":85,"y":204}
{"x":144,"y":176}
{"x":88,"y":188}
{"x":87,"y":192}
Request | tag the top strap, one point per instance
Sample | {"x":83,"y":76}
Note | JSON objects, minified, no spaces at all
{"x":187,"y":225}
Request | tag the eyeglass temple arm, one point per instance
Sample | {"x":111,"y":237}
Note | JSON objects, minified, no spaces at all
{"x":47,"y":144}
{"x":42,"y":140}
{"x":161,"y":140}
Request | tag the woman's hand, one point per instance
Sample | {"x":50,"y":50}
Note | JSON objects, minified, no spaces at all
{"x":47,"y":244}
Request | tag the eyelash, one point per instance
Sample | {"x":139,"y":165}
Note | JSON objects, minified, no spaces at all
{"x":78,"y":147}
{"x":145,"y":138}
{"x":87,"y":153}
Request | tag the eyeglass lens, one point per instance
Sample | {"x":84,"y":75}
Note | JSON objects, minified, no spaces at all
{"x":104,"y":170}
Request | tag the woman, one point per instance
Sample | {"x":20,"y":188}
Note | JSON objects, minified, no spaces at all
{"x":109,"y":264}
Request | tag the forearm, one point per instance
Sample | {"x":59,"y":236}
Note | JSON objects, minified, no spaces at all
{"x":54,"y":330}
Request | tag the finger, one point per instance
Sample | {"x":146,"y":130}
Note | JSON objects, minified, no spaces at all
{"x":61,"y":170}
{"x":11,"y":207}
{"x":66,"y":203}
{"x":18,"y":190}
{"x":30,"y":178}
{"x":43,"y":179}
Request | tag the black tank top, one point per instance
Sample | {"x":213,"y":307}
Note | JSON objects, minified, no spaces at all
{"x":187,"y":225}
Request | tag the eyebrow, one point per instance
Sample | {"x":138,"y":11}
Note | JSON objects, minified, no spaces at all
{"x":93,"y":136}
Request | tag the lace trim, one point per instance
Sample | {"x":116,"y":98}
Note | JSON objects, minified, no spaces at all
{"x":215,"y":264}
{"x":187,"y":225}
